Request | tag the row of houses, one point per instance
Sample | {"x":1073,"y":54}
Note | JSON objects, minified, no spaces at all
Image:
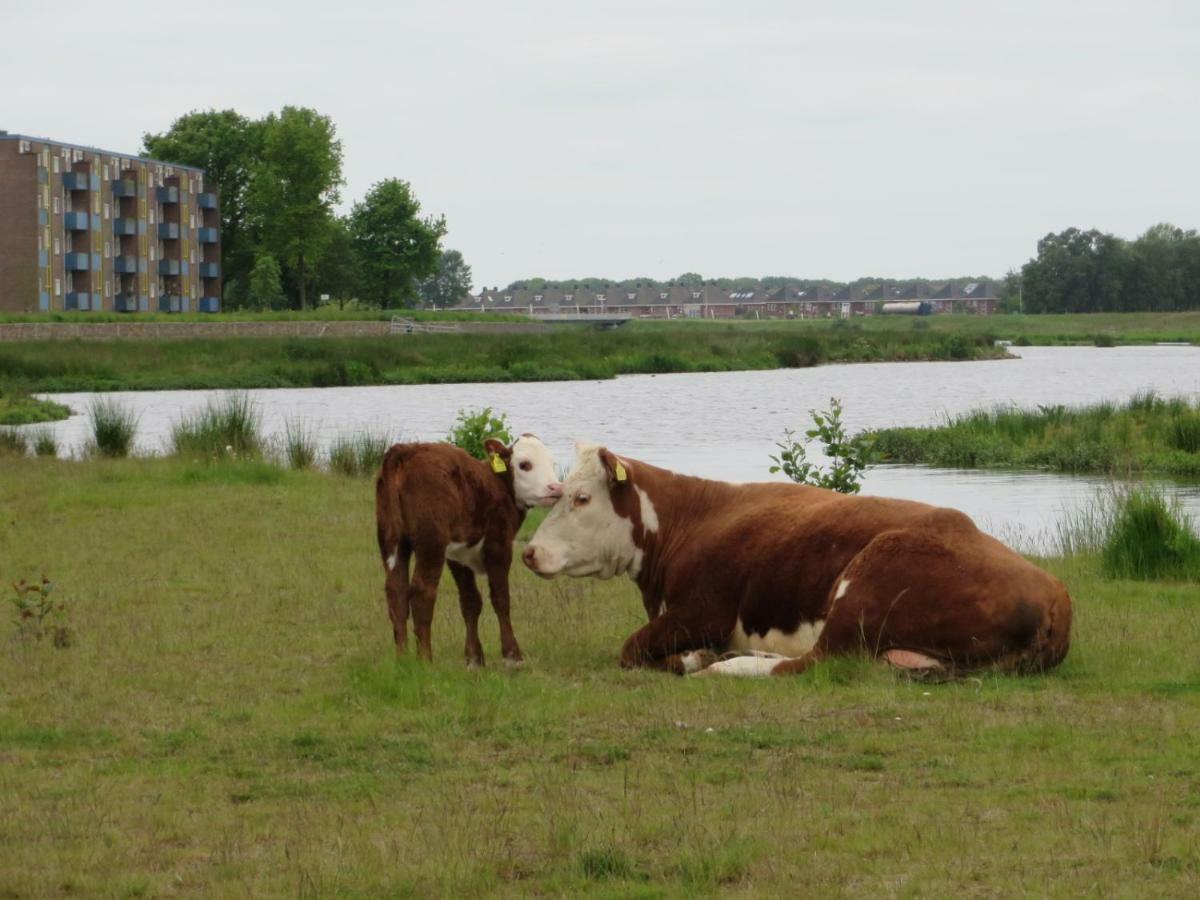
{"x":712,"y":302}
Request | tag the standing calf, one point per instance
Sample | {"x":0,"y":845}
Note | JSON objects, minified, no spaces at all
{"x":440,"y":504}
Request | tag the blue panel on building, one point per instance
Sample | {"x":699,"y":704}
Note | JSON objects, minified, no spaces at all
{"x":43,"y":217}
{"x":144,"y":304}
{"x":184,"y":267}
{"x":95,"y":182}
{"x":44,"y":302}
{"x":95,"y":262}
{"x":43,"y":258}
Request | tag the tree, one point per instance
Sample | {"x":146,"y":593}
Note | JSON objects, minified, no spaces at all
{"x":395,"y":248}
{"x":450,"y":283}
{"x":266,"y":288}
{"x":225,"y":144}
{"x":690,"y":280}
{"x":294,"y":185}
{"x":336,"y":270}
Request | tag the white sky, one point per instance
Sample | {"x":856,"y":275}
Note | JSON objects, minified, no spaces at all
{"x":621,"y":139}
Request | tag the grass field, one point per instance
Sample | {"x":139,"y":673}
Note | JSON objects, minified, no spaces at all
{"x":569,"y":353}
{"x":1149,"y":434}
{"x":230,"y":721}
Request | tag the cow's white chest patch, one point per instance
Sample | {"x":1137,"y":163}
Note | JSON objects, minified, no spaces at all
{"x":469,"y":556}
{"x":792,"y":645}
{"x":646,"y":508}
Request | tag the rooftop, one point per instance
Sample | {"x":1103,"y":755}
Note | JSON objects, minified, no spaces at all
{"x":46,"y":140}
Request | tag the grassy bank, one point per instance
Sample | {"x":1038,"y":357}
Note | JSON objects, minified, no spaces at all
{"x":18,"y":408}
{"x":1148,"y":435}
{"x":324,"y":314}
{"x":229,"y":720}
{"x":571,"y":353}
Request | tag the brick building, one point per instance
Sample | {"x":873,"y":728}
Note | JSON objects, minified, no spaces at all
{"x":87,"y":229}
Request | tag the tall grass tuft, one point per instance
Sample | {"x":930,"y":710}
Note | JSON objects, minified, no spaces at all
{"x":1148,"y":538}
{"x":12,"y":442}
{"x":44,"y":442}
{"x":113,"y":428}
{"x":226,"y":427}
{"x":1185,"y":431}
{"x":299,"y":445}
{"x":357,"y":454}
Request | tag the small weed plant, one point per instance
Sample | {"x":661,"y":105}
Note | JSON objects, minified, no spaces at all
{"x":473,"y":427}
{"x":849,"y":457}
{"x":39,"y":615}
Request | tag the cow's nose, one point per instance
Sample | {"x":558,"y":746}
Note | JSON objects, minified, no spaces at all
{"x":554,"y":489}
{"x":528,"y":555}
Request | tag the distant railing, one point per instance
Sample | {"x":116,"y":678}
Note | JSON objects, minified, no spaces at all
{"x":402,"y":325}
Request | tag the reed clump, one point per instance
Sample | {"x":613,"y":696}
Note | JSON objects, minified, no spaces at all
{"x":228,"y":426}
{"x":113,"y":428}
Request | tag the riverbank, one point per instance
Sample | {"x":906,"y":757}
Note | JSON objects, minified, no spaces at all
{"x":1149,"y":435}
{"x":565,"y":354}
{"x":228,"y":719}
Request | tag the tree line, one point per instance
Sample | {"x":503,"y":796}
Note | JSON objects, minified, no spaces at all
{"x":282,"y":242}
{"x":1092,"y":271}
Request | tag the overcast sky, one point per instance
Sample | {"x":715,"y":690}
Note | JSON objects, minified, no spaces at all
{"x":623,"y":139}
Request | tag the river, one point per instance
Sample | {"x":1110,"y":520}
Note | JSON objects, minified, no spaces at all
{"x":724,"y":425}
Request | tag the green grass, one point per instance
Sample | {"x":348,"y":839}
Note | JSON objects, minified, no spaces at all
{"x":567,"y":353}
{"x":230,"y":721}
{"x":357,"y":454}
{"x":1149,"y":435}
{"x":1150,"y":538}
{"x":324,"y":314}
{"x":113,"y":428}
{"x":18,"y":408}
{"x":227,"y":426}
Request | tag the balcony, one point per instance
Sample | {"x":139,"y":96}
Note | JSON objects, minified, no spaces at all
{"x":124,"y":226}
{"x":208,"y":235}
{"x":206,"y":201}
{"x":125,"y":265}
{"x":168,"y":267}
{"x":124,"y":187}
{"x":167,"y":194}
{"x":210,"y":270}
{"x":125,"y":303}
{"x":168,"y":231}
{"x":75,"y":221}
{"x":210,"y":304}
{"x":170,"y":303}
{"x":82,"y":300}
{"x":76,"y":262}
{"x":76,"y":181}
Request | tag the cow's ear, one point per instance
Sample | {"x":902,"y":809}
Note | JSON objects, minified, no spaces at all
{"x":498,"y":454}
{"x":618,"y":472}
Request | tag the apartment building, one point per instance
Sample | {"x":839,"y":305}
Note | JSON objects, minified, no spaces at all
{"x":87,"y":230}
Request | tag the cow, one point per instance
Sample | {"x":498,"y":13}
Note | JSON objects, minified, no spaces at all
{"x":441,"y":505}
{"x":769,"y":578}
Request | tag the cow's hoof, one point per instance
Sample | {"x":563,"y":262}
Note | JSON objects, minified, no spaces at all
{"x":696,"y":661}
{"x":514,"y":662}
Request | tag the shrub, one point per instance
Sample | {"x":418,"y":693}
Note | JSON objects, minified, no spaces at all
{"x":229,"y":426}
{"x":1148,"y":538}
{"x":800,"y":352}
{"x":472,"y":428}
{"x":1104,"y":340}
{"x":12,"y":442}
{"x":113,"y":428}
{"x":45,"y":443}
{"x":299,"y":445}
{"x":358,"y":454}
{"x":849,"y":457}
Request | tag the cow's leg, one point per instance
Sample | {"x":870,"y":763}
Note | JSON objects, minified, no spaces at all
{"x":472,"y":604}
{"x":665,"y":642}
{"x":498,"y":562}
{"x":396,"y":589}
{"x":422,"y":593}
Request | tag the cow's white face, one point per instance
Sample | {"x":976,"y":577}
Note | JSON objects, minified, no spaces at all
{"x":583,"y":534}
{"x":535,"y":483}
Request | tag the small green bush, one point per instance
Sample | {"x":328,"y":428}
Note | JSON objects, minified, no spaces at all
{"x":849,"y":457}
{"x":1150,"y":538}
{"x":229,"y":426}
{"x":1104,"y":340}
{"x":473,"y":427}
{"x":113,"y":428}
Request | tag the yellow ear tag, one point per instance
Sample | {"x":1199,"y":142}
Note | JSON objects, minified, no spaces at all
{"x":619,"y":471}
{"x":498,"y":465}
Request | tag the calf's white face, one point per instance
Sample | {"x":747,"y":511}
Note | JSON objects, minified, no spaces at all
{"x":535,"y":482}
{"x":583,"y":534}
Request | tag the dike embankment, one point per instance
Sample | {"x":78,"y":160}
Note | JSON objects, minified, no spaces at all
{"x":181,"y":331}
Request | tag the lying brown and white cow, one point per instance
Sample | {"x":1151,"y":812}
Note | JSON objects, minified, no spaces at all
{"x":438,"y":503}
{"x":783,"y":570}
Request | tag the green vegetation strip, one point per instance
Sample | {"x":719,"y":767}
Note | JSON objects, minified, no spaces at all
{"x":571,"y":353}
{"x":1149,"y":435}
{"x":227,"y":718}
{"x":18,"y":408}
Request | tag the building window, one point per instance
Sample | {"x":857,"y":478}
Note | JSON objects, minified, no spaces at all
{"x":108,"y":288}
{"x":192,"y":220}
{"x":45,"y":157}
{"x":107,"y":209}
{"x":57,"y":287}
{"x":57,"y":246}
{"x":106,"y":173}
{"x":56,"y":165}
{"x":107,"y":249}
{"x":57,"y":206}
{"x":151,"y":217}
{"x":152,"y":253}
{"x":96,"y":205}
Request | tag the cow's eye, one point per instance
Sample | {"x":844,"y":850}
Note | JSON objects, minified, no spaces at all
{"x":526,"y":466}
{"x":581,"y":499}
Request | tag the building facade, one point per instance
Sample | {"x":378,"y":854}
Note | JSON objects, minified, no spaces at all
{"x":90,"y":230}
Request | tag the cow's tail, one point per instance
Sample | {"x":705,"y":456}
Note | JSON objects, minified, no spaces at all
{"x":389,"y":518}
